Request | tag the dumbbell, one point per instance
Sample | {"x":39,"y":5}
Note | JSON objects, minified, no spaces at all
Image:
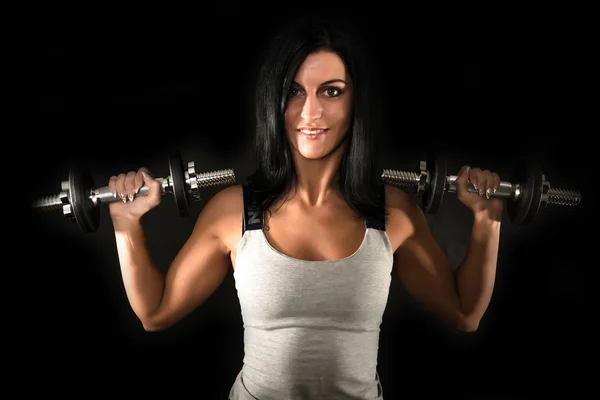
{"x":79,"y":198}
{"x":527,"y":192}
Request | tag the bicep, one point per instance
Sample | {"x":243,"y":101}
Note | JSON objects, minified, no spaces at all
{"x":200,"y":266}
{"x":424,"y":270}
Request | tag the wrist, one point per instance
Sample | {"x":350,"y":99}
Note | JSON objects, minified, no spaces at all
{"x":487,"y":216}
{"x":126,"y":224}
{"x":485,"y":224}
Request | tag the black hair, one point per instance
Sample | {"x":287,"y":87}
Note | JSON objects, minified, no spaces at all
{"x":357,"y":177}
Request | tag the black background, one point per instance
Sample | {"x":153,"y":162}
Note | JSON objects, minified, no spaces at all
{"x":115,"y":91}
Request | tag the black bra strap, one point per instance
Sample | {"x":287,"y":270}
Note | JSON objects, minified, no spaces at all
{"x":253,"y":216}
{"x":378,"y":222}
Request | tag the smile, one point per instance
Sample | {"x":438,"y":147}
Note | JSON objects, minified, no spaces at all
{"x":312,"y":131}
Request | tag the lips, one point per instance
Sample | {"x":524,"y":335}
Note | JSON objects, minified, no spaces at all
{"x":312,"y":131}
{"x":312,"y":134}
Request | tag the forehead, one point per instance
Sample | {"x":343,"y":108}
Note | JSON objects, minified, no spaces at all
{"x":321,"y":66}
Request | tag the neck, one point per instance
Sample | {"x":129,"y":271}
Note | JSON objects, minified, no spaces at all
{"x":316,"y":181}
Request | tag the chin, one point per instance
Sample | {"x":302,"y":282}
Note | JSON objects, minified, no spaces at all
{"x":311,"y":155}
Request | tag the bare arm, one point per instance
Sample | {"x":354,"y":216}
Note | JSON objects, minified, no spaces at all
{"x":476,"y":274}
{"x":461,"y":297}
{"x":160,"y":300}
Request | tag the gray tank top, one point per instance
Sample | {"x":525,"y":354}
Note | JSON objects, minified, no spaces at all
{"x":311,"y":328}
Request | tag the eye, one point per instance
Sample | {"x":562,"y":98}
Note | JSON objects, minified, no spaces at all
{"x":294,"y":92}
{"x":333,"y":91}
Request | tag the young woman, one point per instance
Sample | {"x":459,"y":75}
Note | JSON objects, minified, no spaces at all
{"x":313,"y":237}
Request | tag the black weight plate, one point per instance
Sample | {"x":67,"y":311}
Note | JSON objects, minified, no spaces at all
{"x":434,"y":194}
{"x":529,"y":177}
{"x":180,"y":193}
{"x":87,"y":215}
{"x":534,"y":182}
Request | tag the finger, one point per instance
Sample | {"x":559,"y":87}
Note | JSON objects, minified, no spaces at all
{"x":139,"y":180}
{"x":148,"y":178}
{"x":476,"y":180}
{"x":496,"y":182}
{"x":112,"y":185}
{"x":120,"y":187}
{"x":146,"y":175}
{"x":152,"y":183}
{"x":461,"y":181}
{"x":489,"y":183}
{"x":463,"y":175}
{"x":130,"y":184}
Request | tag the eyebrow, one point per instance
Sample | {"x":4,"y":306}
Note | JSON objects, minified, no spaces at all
{"x":324,"y":83}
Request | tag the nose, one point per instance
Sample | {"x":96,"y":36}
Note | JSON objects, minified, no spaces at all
{"x":312,"y":109}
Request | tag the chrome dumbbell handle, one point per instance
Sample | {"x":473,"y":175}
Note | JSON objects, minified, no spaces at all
{"x":419,"y":181}
{"x":103,"y":195}
{"x":512,"y":192}
{"x":79,"y":198}
{"x":194,"y":182}
{"x":506,"y":190}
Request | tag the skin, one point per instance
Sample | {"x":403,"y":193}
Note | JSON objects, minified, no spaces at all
{"x":324,"y":226}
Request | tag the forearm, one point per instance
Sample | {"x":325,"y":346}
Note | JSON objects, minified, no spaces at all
{"x":475,"y":276}
{"x":143,"y":282}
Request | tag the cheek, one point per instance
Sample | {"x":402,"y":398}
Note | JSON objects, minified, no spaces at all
{"x":292,"y":115}
{"x":339,"y":115}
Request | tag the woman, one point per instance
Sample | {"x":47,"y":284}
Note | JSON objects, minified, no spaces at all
{"x":313,"y":236}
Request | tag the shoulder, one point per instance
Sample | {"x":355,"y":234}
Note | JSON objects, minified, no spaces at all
{"x":226,"y":200}
{"x":222,"y":214}
{"x":398,"y":200}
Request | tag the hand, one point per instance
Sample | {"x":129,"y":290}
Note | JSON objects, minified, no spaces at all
{"x":125,"y":186}
{"x":486,"y":183}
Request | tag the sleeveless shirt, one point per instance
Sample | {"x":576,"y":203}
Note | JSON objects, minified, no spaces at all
{"x":311,"y":328}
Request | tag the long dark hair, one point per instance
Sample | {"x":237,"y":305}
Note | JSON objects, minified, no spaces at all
{"x":358,"y":180}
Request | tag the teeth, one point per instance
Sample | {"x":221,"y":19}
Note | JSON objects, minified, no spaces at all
{"x":311,"y":132}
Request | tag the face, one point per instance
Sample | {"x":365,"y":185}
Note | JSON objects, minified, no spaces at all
{"x":318,"y":109}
